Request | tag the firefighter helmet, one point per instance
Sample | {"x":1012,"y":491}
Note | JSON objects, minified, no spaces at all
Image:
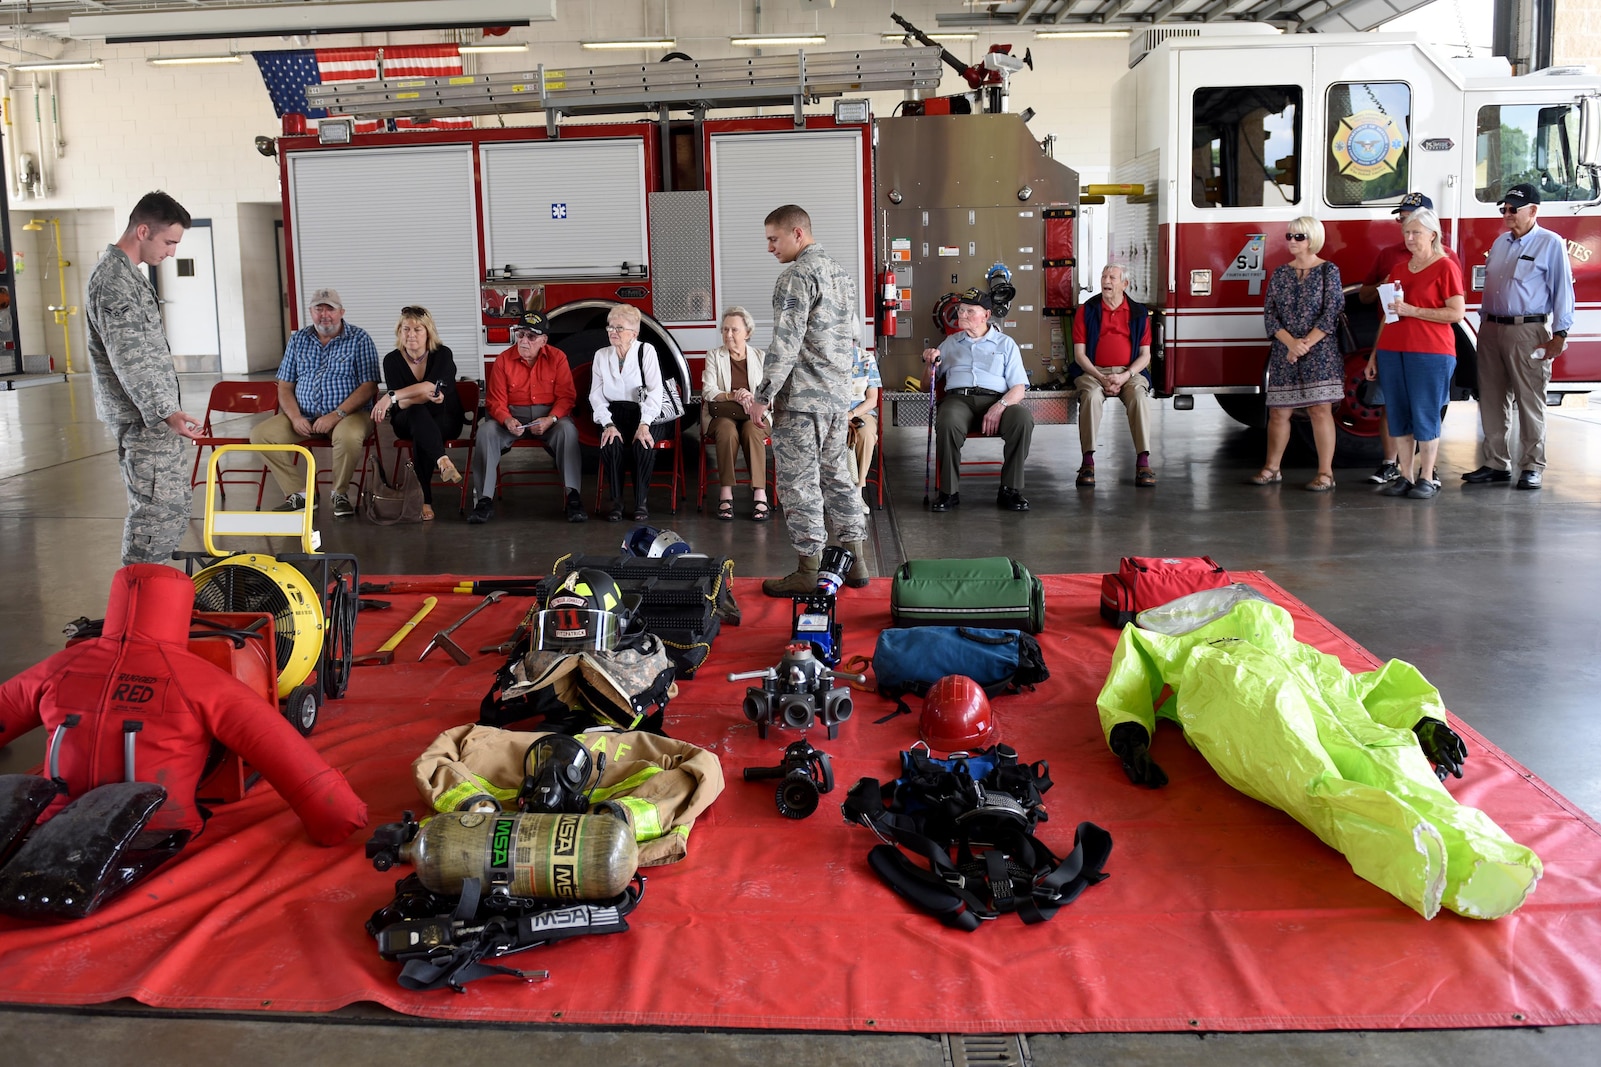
{"x":587,"y":587}
{"x":957,"y":716}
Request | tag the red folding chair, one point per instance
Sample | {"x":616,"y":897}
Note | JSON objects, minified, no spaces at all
{"x":234,"y":398}
{"x":708,"y":465}
{"x":468,"y":392}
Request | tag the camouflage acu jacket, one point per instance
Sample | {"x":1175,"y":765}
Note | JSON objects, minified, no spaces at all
{"x":134,"y":379}
{"x":815,"y":327}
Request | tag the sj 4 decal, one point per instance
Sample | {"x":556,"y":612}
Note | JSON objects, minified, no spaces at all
{"x":1247,"y":264}
{"x":1368,"y":145}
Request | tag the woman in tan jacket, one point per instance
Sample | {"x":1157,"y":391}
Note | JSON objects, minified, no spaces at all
{"x":732,"y":370}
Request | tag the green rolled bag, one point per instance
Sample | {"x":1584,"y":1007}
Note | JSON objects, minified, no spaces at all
{"x":994,"y":592}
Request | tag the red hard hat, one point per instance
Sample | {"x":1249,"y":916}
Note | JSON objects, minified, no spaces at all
{"x":957,"y":716}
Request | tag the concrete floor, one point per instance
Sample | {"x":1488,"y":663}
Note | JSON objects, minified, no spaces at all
{"x":1493,"y":593}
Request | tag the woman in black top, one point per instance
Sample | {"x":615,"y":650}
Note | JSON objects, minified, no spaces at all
{"x":421,"y":403}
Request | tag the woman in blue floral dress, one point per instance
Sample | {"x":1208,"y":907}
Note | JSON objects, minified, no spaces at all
{"x":1305,"y":368}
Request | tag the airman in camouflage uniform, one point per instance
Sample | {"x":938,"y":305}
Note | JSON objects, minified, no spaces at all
{"x":135,"y":383}
{"x":806,"y":377}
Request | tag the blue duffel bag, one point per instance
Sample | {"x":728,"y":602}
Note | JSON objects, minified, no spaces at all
{"x":911,"y":659}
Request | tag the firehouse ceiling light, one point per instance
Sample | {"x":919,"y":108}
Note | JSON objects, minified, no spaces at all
{"x":933,"y":36}
{"x":653,"y":42}
{"x":83,"y":64}
{"x":193,"y":61}
{"x":1067,"y":35}
{"x":763,"y":40}
{"x":213,"y":22}
{"x":485,"y":49}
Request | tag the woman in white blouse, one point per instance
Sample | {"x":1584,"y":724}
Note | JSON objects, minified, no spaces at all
{"x":732,"y":370}
{"x":626,"y":395}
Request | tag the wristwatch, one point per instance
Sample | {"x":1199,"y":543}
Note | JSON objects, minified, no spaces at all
{"x":1560,"y":333}
{"x":340,"y":412}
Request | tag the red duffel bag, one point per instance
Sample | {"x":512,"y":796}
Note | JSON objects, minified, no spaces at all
{"x":1147,"y":582}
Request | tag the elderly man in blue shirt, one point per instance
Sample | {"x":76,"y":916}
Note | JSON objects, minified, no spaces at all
{"x":984,"y":380}
{"x":1523,"y":328}
{"x":326,"y":384}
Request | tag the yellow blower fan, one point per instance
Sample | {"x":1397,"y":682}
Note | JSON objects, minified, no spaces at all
{"x":254,"y":583}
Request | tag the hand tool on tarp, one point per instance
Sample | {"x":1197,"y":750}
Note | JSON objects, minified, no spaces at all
{"x":471,"y":586}
{"x":386,"y":651}
{"x":443,"y":640}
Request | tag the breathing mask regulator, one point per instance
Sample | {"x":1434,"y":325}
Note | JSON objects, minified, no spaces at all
{"x":556,"y":776}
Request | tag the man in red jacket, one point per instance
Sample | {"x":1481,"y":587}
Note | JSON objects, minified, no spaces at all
{"x":529,"y":393}
{"x":137,"y":694}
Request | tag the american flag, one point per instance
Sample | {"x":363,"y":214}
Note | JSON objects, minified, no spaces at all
{"x":288,"y":72}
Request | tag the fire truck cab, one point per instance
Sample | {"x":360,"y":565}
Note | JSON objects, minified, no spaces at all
{"x":1233,"y":136}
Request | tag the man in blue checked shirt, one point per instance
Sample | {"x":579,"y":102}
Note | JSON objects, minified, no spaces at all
{"x":326,"y":384}
{"x":1523,"y":328}
{"x":984,"y":378}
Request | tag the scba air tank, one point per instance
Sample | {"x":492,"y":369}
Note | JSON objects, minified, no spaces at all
{"x":546,"y":857}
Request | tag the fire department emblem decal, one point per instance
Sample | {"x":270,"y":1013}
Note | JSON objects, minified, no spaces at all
{"x":1368,"y":145}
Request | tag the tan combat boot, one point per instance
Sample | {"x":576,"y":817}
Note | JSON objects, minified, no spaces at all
{"x":858,"y":576}
{"x":801,"y":582}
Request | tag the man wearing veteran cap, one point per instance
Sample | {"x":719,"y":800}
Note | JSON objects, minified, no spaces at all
{"x":984,"y":379}
{"x":1386,"y":261}
{"x":1523,"y":327}
{"x":530,"y":393}
{"x":326,"y":384}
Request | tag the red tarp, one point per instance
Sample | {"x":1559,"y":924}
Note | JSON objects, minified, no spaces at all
{"x":1220,"y":913}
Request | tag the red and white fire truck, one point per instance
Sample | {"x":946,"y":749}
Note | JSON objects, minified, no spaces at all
{"x":1230,"y":137}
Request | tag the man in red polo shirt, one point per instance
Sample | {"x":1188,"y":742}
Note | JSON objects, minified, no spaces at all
{"x":1387,"y":260}
{"x":1108,"y":361}
{"x":529,"y":393}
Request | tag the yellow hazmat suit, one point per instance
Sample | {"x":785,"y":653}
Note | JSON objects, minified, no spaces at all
{"x":1289,"y":726}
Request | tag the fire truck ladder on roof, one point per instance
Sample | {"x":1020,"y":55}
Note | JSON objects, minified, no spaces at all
{"x":760,"y":81}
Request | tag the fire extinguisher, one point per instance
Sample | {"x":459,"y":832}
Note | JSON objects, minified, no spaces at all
{"x":891,"y":303}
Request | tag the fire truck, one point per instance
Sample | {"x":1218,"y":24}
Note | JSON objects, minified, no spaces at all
{"x":584,"y":210}
{"x":1223,"y":139}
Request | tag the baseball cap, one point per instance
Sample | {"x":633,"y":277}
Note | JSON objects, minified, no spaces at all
{"x":1413,"y":202}
{"x":326,"y":296}
{"x":976,"y":297}
{"x":531,"y":322}
{"x":1519,"y":195}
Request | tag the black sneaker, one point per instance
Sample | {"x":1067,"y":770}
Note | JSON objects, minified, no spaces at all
{"x":1398,"y":486}
{"x":1422,"y":489}
{"x":293,"y":502}
{"x":343,"y":508}
{"x":1388,"y":472}
{"x":575,"y":508}
{"x":482,"y":511}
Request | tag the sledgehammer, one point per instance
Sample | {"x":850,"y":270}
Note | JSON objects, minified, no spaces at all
{"x":386,"y":651}
{"x":443,"y":640}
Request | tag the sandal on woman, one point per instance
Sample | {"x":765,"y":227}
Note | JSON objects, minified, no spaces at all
{"x":427,"y":513}
{"x":1266,"y":476}
{"x":725,"y":510}
{"x":1321,"y":484}
{"x":760,"y":512}
{"x":448,"y":471}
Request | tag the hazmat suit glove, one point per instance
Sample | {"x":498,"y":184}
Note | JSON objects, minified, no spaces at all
{"x":1132,"y":744}
{"x":1441,"y":745}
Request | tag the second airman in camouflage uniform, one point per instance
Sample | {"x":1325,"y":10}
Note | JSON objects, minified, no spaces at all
{"x":135,"y":383}
{"x":806,"y":376}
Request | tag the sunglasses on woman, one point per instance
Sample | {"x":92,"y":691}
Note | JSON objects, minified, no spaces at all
{"x":1295,"y":237}
{"x":414,"y":311}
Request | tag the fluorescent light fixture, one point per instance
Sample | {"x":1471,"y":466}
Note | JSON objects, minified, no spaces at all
{"x":193,"y":61}
{"x":654,"y":42}
{"x":934,"y":36}
{"x":219,"y":22}
{"x":82,"y":64}
{"x":763,"y":40}
{"x":1067,"y":35}
{"x":484,"y":49}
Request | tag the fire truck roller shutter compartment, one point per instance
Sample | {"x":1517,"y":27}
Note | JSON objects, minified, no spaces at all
{"x":573,"y":210}
{"x":389,"y":227}
{"x":754,"y":173}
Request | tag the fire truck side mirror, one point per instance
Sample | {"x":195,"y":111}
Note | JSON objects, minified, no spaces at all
{"x":1590,"y":131}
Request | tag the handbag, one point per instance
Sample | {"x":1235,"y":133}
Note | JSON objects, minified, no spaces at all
{"x":673,"y":404}
{"x":390,"y":504}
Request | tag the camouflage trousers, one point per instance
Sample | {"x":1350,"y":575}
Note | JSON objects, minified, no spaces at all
{"x":814,"y":479}
{"x":156,"y":472}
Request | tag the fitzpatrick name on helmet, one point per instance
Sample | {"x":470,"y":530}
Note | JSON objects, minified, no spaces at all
{"x":587,"y":588}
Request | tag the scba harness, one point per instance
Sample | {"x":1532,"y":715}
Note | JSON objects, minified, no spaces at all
{"x":971,"y":819}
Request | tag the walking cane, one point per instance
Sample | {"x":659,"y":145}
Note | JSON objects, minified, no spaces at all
{"x":928,"y":447}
